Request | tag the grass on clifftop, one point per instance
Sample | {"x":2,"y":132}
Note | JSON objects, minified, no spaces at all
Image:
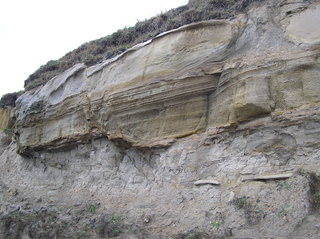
{"x":9,"y":99}
{"x":96,"y":51}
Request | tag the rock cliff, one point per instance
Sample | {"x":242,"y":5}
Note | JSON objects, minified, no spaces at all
{"x":211,"y":130}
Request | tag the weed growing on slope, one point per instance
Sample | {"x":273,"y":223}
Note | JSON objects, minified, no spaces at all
{"x":283,"y":185}
{"x":91,"y":208}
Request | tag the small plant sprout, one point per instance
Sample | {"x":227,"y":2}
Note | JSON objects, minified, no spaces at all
{"x":7,"y":131}
{"x":117,"y":226}
{"x":284,"y":185}
{"x":284,"y":211}
{"x":91,"y":208}
{"x":116,"y":220}
{"x":215,"y":224}
{"x":189,"y":235}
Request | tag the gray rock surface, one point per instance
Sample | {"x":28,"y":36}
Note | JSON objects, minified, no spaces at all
{"x":158,"y":184}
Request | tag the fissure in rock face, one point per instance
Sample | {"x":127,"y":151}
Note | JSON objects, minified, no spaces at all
{"x":207,"y":131}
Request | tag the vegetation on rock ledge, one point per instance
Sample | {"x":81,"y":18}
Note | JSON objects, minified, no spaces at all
{"x":9,"y":99}
{"x":107,"y":47}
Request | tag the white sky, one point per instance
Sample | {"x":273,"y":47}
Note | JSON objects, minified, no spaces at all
{"x":33,"y":32}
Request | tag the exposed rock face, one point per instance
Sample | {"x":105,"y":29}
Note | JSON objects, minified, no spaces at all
{"x":202,"y":75}
{"x":209,"y":131}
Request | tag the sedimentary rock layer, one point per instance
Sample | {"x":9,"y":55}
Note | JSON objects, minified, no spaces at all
{"x":5,"y":120}
{"x":203,"y":75}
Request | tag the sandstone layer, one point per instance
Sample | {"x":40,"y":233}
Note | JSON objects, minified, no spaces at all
{"x":5,"y":118}
{"x":211,"y":130}
{"x":203,"y":75}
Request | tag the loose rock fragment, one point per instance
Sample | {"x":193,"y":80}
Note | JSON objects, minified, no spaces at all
{"x":267,"y":177}
{"x":206,"y":181}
